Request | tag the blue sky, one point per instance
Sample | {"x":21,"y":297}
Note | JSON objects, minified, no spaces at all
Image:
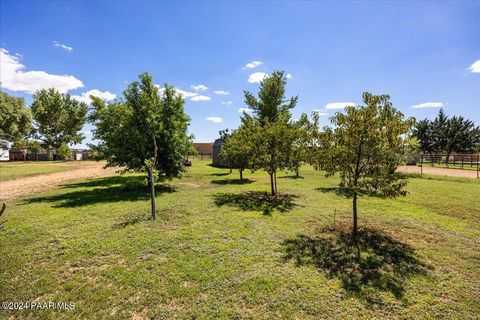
{"x":423,"y":54}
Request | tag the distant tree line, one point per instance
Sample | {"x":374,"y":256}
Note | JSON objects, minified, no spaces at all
{"x":54,"y":118}
{"x":447,"y":135}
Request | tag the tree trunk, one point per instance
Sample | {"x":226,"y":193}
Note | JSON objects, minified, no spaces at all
{"x":271,"y":184}
{"x":151,"y":180}
{"x":297,"y":173}
{"x":241,"y":174}
{"x":276,"y":190}
{"x":355,"y":217}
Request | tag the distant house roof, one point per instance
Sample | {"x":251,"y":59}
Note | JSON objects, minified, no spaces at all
{"x":203,"y":147}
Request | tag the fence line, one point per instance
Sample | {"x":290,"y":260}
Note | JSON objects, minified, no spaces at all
{"x":463,"y":161}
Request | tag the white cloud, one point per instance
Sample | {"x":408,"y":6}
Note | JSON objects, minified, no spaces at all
{"x":200,"y":98}
{"x":338,"y":105}
{"x":63,"y":46}
{"x":214,"y":119}
{"x":186,"y":94}
{"x":247,"y":110}
{"x":221,"y":92}
{"x":227,"y":102}
{"x":289,"y":76}
{"x":13,"y":77}
{"x":475,"y":67}
{"x":428,"y":105}
{"x":257,"y":77}
{"x":320,"y":113}
{"x":85,"y":97}
{"x":253,"y":64}
{"x":199,"y":87}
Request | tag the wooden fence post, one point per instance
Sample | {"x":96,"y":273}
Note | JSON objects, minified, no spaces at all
{"x":421,"y":164}
{"x":478,"y":158}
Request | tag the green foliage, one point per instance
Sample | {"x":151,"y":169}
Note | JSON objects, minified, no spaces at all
{"x":365,"y":146}
{"x":59,"y":118}
{"x":15,"y":118}
{"x":300,"y":141}
{"x":269,"y":129}
{"x":424,"y":132}
{"x":32,"y":145}
{"x":129,"y":131}
{"x":444,"y":134}
{"x":271,"y":105}
{"x":237,"y":149}
{"x":64,"y":152}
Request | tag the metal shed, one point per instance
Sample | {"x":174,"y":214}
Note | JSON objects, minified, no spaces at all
{"x":216,"y":159}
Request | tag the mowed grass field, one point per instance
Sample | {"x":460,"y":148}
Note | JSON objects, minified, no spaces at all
{"x":21,"y":169}
{"x":221,"y":249}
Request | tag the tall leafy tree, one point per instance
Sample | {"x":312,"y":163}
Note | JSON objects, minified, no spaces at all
{"x":439,"y":131}
{"x":58,"y":118}
{"x":269,"y":124}
{"x":447,"y":134}
{"x":146,"y":132}
{"x":424,"y":132}
{"x":365,"y":146}
{"x":461,"y":136}
{"x":15,"y":118}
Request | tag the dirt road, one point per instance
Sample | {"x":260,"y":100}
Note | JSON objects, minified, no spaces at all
{"x":439,"y":171}
{"x":12,"y":189}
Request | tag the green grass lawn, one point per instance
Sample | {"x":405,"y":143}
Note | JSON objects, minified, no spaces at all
{"x":21,"y":169}
{"x":221,"y":249}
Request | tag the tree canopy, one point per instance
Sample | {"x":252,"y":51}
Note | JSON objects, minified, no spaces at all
{"x":365,"y":146}
{"x":58,"y":118}
{"x":447,"y":134}
{"x":270,"y":128}
{"x":146,"y":131}
{"x":15,"y":118}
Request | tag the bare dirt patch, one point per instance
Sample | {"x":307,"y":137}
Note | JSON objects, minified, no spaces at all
{"x":12,"y":189}
{"x":439,"y":171}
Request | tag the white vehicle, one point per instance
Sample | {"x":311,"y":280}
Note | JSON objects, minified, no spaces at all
{"x":4,"y":150}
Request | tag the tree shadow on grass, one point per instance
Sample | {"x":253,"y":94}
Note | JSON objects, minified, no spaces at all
{"x":295,"y":177}
{"x":339,"y":191}
{"x":384,"y":265}
{"x":257,"y":201}
{"x":131,"y":220}
{"x":220,"y":174}
{"x":104,"y":190}
{"x":232,"y":181}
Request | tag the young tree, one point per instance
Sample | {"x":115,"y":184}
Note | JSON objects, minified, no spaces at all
{"x":32,"y":145}
{"x":236,"y":149}
{"x":365,"y":146}
{"x":64,"y":152}
{"x":59,"y":118}
{"x":15,"y":118}
{"x":299,"y":143}
{"x":145,"y":132}
{"x":269,"y":124}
